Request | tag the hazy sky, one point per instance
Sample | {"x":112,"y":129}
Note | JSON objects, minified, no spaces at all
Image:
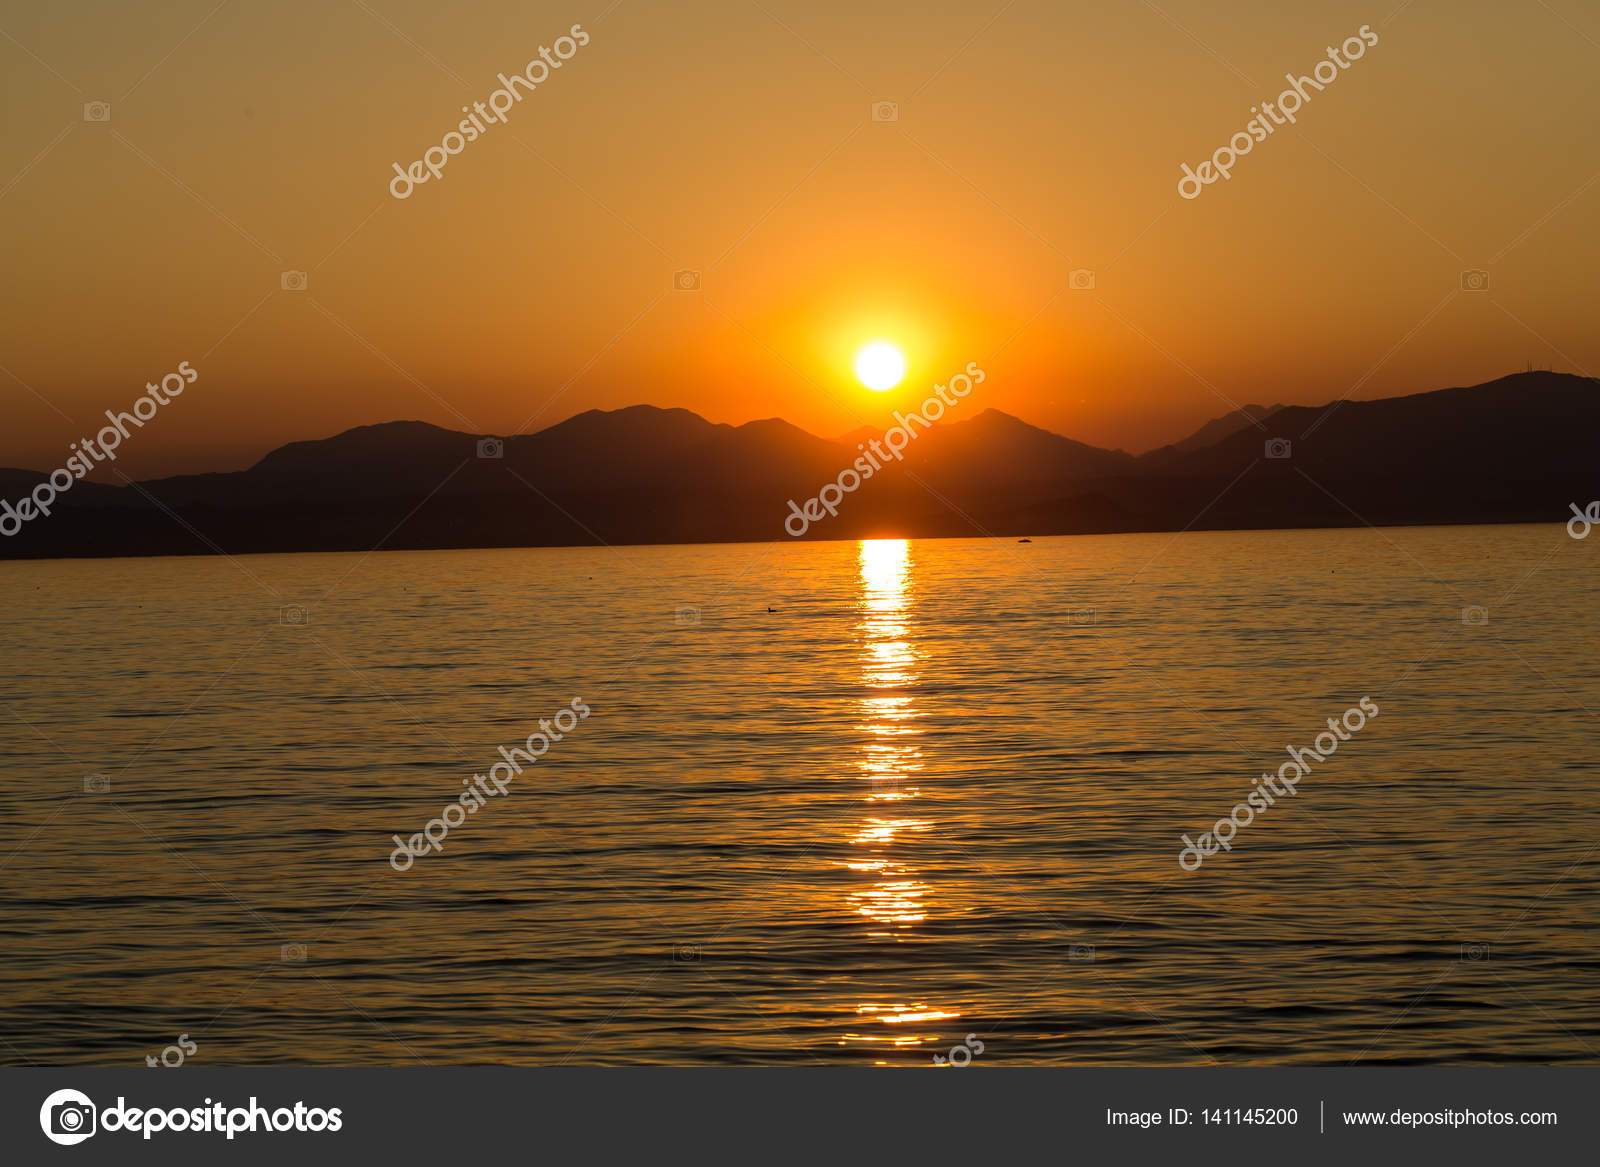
{"x":535,"y":278}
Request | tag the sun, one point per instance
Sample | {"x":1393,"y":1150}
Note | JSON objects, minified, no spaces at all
{"x":880,"y":366}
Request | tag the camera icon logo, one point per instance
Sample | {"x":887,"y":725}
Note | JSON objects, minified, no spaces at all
{"x":96,"y":784}
{"x":292,"y":954}
{"x":1082,"y":615}
{"x":292,"y":281}
{"x":67,"y":1117}
{"x":1474,"y":952}
{"x":1472,"y":617}
{"x":1080,"y":953}
{"x":686,"y":280}
{"x":886,"y":111}
{"x":1474,"y":280}
{"x":686,"y":617}
{"x":97,"y":111}
{"x":292,"y":615}
{"x":1081,"y":280}
{"x":1279,"y":448}
{"x":686,"y":953}
{"x":491,"y":448}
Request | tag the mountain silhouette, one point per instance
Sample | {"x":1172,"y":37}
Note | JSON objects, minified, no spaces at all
{"x":1221,"y":427}
{"x":1517,"y":449}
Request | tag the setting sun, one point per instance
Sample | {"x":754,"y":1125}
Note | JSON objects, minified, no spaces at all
{"x":880,"y":366}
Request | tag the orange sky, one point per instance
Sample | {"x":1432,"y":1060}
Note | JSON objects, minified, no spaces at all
{"x":535,"y":278}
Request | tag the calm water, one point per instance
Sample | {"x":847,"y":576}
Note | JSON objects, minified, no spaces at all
{"x":879,"y":797}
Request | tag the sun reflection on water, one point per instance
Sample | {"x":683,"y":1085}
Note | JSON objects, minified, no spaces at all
{"x":896,"y":899}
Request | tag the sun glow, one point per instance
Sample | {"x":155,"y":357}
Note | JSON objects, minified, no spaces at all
{"x":880,"y":366}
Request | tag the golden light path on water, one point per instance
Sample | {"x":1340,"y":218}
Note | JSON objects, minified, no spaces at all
{"x":891,"y":760}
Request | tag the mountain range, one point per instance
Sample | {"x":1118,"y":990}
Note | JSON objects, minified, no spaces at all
{"x":1517,"y":449}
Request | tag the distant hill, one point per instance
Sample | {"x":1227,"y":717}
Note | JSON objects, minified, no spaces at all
{"x":1516,"y":449}
{"x":1225,"y":426}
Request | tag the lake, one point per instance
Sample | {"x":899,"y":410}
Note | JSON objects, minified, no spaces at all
{"x":832,"y":803}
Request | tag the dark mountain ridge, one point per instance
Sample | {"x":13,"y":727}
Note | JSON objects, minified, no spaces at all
{"x":1519,"y":448}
